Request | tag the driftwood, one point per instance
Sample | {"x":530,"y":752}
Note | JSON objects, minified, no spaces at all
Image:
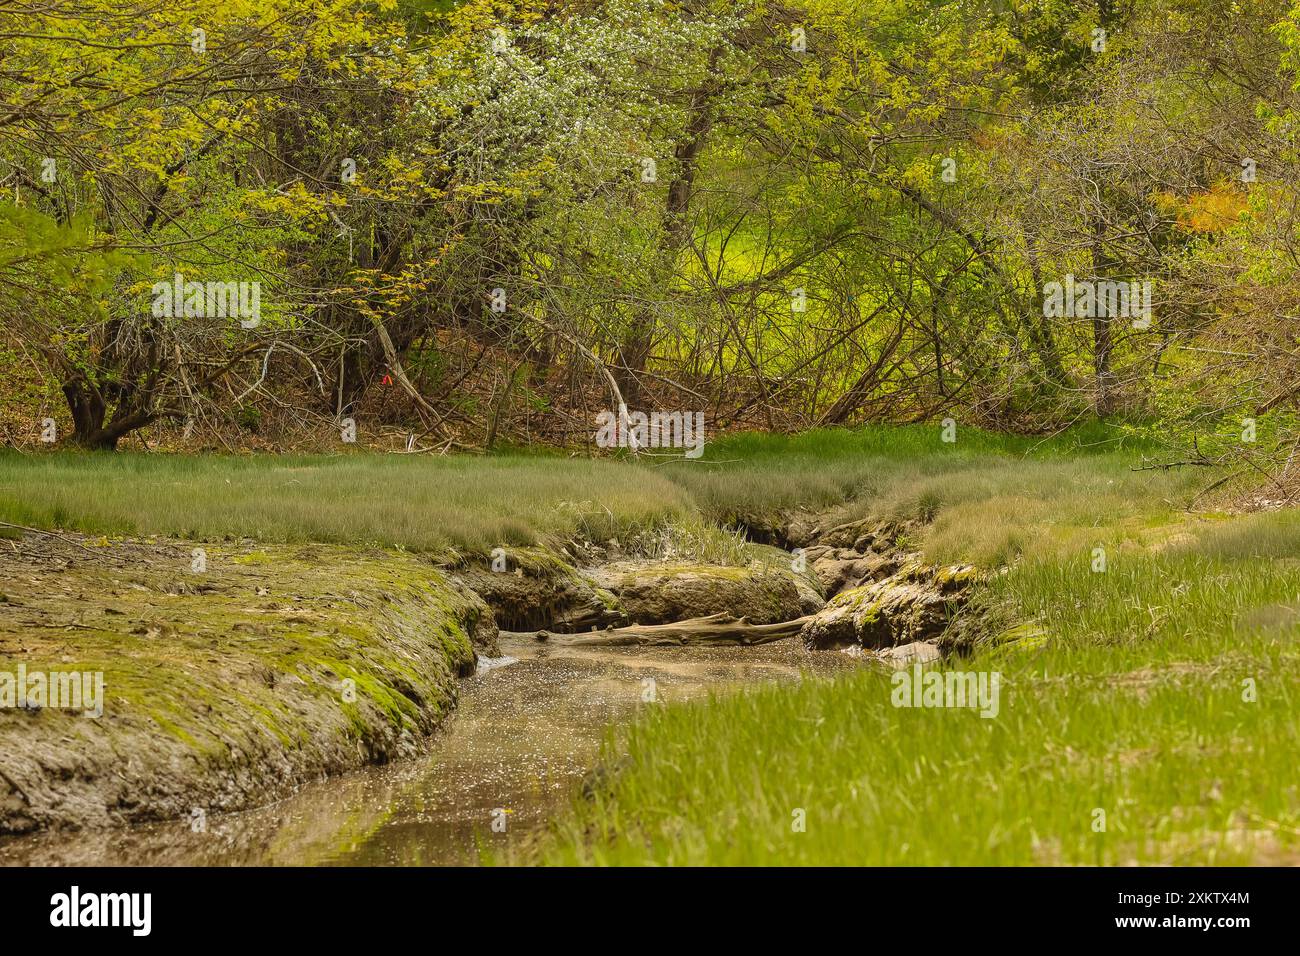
{"x":706,"y":631}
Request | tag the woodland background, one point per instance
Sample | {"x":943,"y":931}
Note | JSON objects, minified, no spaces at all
{"x":725,"y":206}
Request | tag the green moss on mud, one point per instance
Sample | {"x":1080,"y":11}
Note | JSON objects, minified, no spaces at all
{"x":223,"y":687}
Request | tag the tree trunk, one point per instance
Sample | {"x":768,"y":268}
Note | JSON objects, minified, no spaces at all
{"x":636,"y":347}
{"x":1102,"y":332}
{"x":89,"y":412}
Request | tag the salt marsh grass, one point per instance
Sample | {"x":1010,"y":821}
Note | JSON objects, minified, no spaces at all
{"x":1157,"y":696}
{"x":1157,"y":699}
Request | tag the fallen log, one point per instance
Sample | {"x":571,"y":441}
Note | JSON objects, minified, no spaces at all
{"x":714,"y":629}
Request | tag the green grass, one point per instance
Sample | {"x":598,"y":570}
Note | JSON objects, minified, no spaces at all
{"x":1122,"y":691}
{"x":417,"y":503}
{"x":1125,"y":694}
{"x":478,"y":503}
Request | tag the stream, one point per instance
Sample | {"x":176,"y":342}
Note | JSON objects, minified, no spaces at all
{"x":520,"y":741}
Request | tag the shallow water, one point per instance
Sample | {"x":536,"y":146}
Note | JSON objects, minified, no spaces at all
{"x":520,"y":742}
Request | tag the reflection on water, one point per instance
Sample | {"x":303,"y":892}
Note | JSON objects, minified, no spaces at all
{"x":522,"y":738}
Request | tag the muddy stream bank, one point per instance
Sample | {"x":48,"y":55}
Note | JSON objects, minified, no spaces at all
{"x":522,"y":738}
{"x":228,"y":736}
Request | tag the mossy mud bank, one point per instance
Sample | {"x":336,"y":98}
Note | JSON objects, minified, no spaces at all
{"x":230,"y":675}
{"x":523,"y":738}
{"x":234,"y":673}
